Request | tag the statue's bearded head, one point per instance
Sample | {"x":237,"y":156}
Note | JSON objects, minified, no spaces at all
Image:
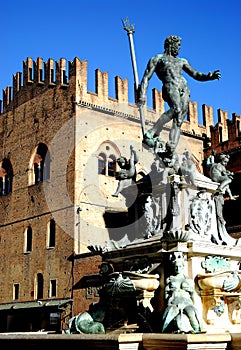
{"x":172,"y":45}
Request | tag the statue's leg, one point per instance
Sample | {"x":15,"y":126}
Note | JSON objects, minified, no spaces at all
{"x":180,"y":107}
{"x":224,"y":187}
{"x":119,"y":189}
{"x":150,"y":136}
{"x":175,"y":133}
{"x":225,"y":184}
{"x":165,"y":118}
{"x":192,"y":315}
{"x":121,"y":185}
{"x":230,"y":193}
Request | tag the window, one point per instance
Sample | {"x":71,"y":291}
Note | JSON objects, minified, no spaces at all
{"x":53,"y":289}
{"x":101,"y":163}
{"x":106,"y":165}
{"x":6,"y":176}
{"x":54,"y":317}
{"x":107,"y":154}
{"x":39,"y":169}
{"x":39,"y":286}
{"x":28,"y":239}
{"x":111,"y":165}
{"x":16,"y":291}
{"x":51,"y":233}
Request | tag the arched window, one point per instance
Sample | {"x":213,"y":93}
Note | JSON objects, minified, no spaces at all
{"x":39,"y":286}
{"x":15,"y":291}
{"x":101,"y":163}
{"x":107,"y":154}
{"x":39,"y":169}
{"x":28,"y":239}
{"x":51,"y":228}
{"x":53,"y":288}
{"x":111,"y":165}
{"x":6,"y":177}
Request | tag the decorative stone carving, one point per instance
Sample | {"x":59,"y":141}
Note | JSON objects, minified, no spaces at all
{"x":180,"y":315}
{"x":234,"y":308}
{"x":225,"y":281}
{"x":215,"y":264}
{"x":221,"y":296}
{"x":200,"y":215}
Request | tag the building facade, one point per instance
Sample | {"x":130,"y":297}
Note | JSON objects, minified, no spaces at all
{"x":226,"y":139}
{"x":59,"y":145}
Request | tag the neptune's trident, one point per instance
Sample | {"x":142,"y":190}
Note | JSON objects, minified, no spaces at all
{"x":130,"y":31}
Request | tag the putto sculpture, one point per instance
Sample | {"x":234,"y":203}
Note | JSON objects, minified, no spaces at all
{"x":223,"y":176}
{"x":127,"y":174}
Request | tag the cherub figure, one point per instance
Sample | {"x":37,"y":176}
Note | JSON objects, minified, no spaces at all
{"x":127,"y":174}
{"x":220,"y":174}
{"x":188,"y":169}
{"x":170,"y":161}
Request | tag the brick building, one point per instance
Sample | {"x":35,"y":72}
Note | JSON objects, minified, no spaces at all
{"x":226,"y":139}
{"x":59,"y":143}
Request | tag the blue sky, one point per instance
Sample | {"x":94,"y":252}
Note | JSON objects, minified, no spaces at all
{"x":92,"y":30}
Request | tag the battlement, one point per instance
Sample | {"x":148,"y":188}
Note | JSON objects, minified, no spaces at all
{"x":226,"y":133}
{"x":38,"y":77}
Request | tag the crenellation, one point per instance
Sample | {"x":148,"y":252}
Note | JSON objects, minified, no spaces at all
{"x":214,"y":135}
{"x":121,"y":89}
{"x":237,"y":119}
{"x":191,"y":123}
{"x":193,"y":114}
{"x":157,"y":101}
{"x":28,"y":71}
{"x":38,"y":71}
{"x":7,"y":97}
{"x":226,"y":133}
{"x":222,"y":116}
{"x":218,"y":134}
{"x":234,"y":127}
{"x":38,"y":76}
{"x":16,"y":84}
{"x":223,"y":127}
{"x":101,"y":85}
{"x":61,"y":75}
{"x":78,"y":77}
{"x":49,"y":72}
{"x":208,"y":120}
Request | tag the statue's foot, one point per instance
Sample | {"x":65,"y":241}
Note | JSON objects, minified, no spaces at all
{"x":149,"y":140}
{"x":115,"y":195}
